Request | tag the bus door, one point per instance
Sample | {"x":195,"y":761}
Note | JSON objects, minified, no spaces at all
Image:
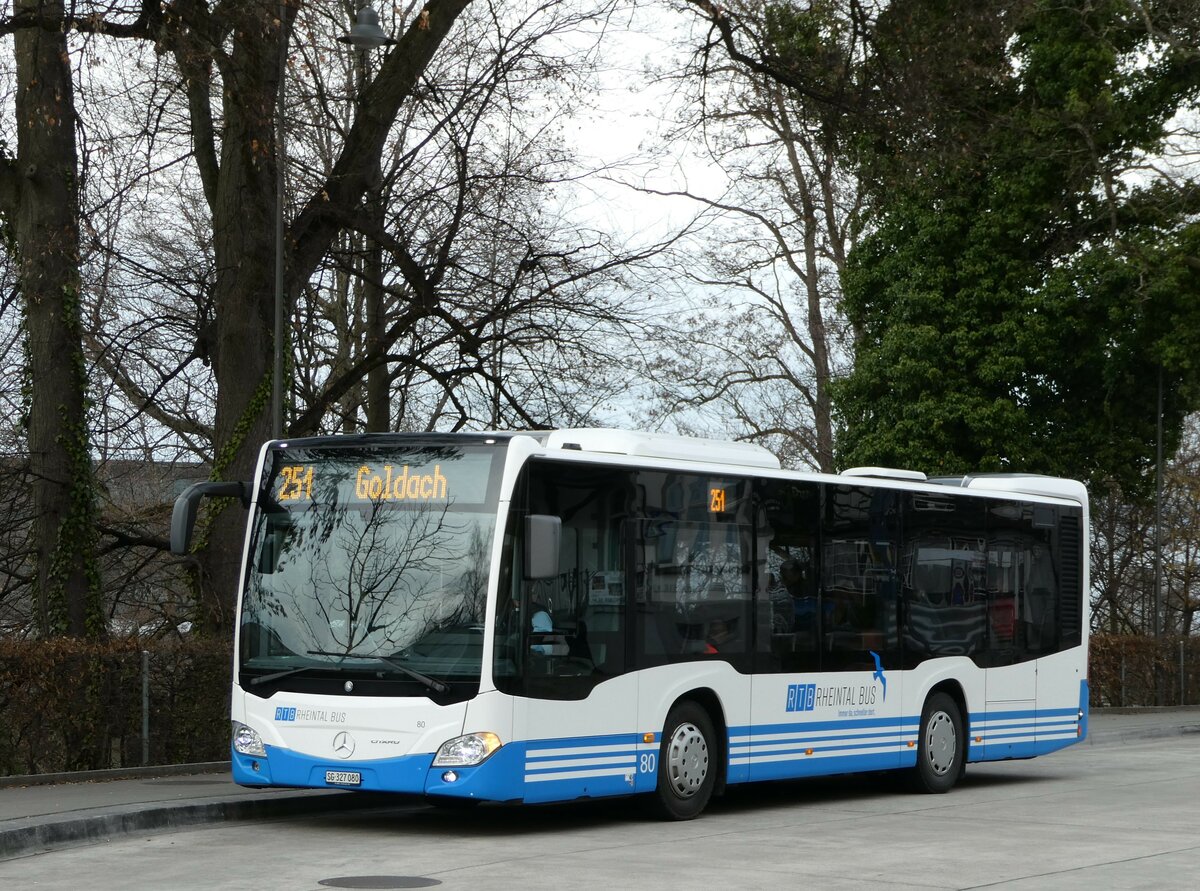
{"x":693,"y":598}
{"x":1017,"y":566}
{"x":576,"y":705}
{"x":862,"y":701}
{"x":828,"y":697}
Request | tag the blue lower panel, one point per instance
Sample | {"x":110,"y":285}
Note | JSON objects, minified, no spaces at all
{"x":281,"y":767}
{"x":1005,"y":752}
{"x":813,"y":767}
{"x":500,"y":778}
{"x":497,"y":779}
{"x":587,"y":767}
{"x":569,"y":790}
{"x":1002,"y":735}
{"x":1084,"y":698}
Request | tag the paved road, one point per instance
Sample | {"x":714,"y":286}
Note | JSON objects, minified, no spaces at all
{"x":1122,"y":812}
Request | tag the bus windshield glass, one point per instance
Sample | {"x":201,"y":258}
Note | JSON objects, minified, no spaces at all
{"x":370,"y":563}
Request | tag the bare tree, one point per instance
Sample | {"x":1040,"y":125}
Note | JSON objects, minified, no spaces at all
{"x":759,"y":359}
{"x":457,"y":295}
{"x":1123,"y":551}
{"x":231,"y":53}
{"x":427,"y":284}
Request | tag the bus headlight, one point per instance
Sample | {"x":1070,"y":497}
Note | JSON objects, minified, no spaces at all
{"x":247,"y":741}
{"x":466,"y":751}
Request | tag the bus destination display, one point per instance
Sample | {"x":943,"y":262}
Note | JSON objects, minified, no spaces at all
{"x":370,"y":483}
{"x":364,"y":478}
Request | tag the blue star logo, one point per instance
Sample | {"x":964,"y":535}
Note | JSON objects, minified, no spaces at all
{"x":879,"y":673}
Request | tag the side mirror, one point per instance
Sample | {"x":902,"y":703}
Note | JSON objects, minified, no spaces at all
{"x":543,"y":537}
{"x":183,"y":516}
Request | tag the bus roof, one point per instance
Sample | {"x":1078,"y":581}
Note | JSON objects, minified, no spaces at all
{"x":1018,"y":483}
{"x":661,"y":445}
{"x":673,"y":447}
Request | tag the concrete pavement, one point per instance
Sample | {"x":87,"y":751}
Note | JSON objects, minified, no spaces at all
{"x":39,"y":813}
{"x":35,"y":815}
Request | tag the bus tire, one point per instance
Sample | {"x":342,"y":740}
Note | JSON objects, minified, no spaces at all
{"x":941,"y":746}
{"x":687,"y":763}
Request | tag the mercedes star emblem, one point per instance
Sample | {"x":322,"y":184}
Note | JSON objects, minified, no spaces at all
{"x":343,"y":745}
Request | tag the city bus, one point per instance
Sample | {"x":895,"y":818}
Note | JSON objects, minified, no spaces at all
{"x":559,"y":615}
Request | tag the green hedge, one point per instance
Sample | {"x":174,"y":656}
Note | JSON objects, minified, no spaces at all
{"x":72,"y":705}
{"x":1128,"y":670}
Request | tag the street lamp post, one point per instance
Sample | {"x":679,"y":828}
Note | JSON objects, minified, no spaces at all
{"x":364,"y":34}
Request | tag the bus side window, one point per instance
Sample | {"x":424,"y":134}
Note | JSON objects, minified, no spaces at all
{"x":789,"y":609}
{"x":1022,"y":583}
{"x":580,"y":631}
{"x":860,"y":550}
{"x":945,"y":572}
{"x":694,"y":567}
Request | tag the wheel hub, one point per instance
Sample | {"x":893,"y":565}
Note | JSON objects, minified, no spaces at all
{"x":940,"y":743}
{"x":687,"y":760}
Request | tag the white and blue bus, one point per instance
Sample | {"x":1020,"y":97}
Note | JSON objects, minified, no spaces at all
{"x":550,"y":616}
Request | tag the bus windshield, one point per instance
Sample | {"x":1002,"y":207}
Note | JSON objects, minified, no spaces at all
{"x":372,"y":563}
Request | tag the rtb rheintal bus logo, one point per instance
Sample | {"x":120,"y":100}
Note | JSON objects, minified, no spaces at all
{"x":807,"y":697}
{"x":801,"y":697}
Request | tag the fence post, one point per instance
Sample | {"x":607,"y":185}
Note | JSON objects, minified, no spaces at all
{"x":145,"y":708}
{"x":1122,"y":680}
{"x":1182,"y":676}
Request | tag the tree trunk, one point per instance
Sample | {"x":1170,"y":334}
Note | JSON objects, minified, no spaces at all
{"x":379,"y":416}
{"x":241,"y":193}
{"x":42,"y":201}
{"x":243,"y":205}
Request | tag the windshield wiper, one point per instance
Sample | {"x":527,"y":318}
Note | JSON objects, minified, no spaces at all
{"x":288,"y":672}
{"x":432,"y":683}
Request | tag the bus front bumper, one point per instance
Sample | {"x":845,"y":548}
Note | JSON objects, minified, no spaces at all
{"x":499,"y":778}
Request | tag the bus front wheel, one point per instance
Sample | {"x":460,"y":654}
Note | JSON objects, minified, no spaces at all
{"x":941,"y":746}
{"x":687,"y":765}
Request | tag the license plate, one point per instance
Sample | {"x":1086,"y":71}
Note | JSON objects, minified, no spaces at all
{"x":343,"y":778}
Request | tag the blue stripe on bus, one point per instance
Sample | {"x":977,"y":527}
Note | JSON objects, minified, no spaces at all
{"x":845,"y":724}
{"x":1007,"y":733}
{"x":844,"y":746}
{"x":568,"y":742}
{"x":533,"y":769}
{"x":803,"y":750}
{"x":534,"y":759}
{"x":808,"y":738}
{"x":1041,"y":724}
{"x":805,"y":767}
{"x":558,"y":769}
{"x":1026,"y":713}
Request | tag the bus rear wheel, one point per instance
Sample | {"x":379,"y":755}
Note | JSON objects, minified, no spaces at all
{"x":687,"y":766}
{"x":941,"y":746}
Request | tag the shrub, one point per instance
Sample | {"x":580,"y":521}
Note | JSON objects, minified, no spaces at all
{"x":75,"y":705}
{"x":1133,"y":670}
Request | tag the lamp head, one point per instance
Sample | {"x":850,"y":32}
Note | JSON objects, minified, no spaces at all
{"x":366,"y":33}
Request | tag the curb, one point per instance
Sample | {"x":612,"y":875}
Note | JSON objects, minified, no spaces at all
{"x":1187,"y":723}
{"x":40,"y":835}
{"x":116,"y":773}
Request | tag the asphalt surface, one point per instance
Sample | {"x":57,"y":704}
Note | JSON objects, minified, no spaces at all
{"x":40,"y":813}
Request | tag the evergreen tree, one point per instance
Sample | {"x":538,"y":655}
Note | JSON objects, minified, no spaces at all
{"x":1022,"y":291}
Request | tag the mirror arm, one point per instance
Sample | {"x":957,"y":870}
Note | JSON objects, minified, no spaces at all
{"x":183,"y":515}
